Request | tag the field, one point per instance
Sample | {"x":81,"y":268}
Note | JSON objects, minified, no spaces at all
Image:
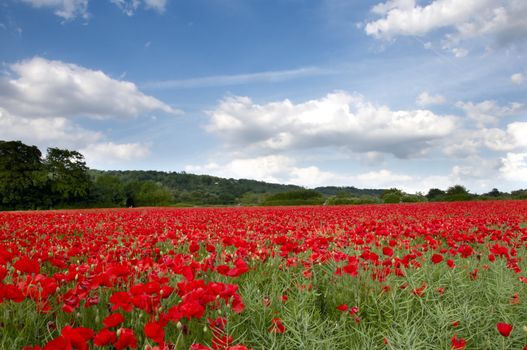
{"x":416,"y":276}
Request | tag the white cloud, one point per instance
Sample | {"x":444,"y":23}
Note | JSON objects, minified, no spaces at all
{"x":67,"y":9}
{"x":408,"y":18}
{"x":425,"y":99}
{"x":459,"y":52}
{"x":501,"y":20}
{"x":39,"y":104}
{"x":514,"y":167}
{"x":283,"y":169}
{"x":104,"y":153}
{"x":518,"y":78}
{"x":489,"y":112}
{"x":157,"y":5}
{"x":44,"y":132}
{"x":238,"y":79}
{"x":127,"y":6}
{"x":336,"y":120}
{"x":46,"y":88}
{"x":71,"y":9}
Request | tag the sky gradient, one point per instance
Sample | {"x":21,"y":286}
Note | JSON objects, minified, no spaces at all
{"x":399,"y":93}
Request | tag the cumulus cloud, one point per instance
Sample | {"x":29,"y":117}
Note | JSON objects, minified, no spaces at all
{"x":503,"y":21}
{"x":514,"y":167}
{"x":339,"y":119}
{"x":104,"y":153}
{"x":513,"y":138}
{"x":489,"y":112}
{"x":40,"y":101}
{"x":283,"y":169}
{"x":425,"y":99}
{"x":47,"y":88}
{"x":67,"y":9}
{"x":44,"y":131}
{"x":518,"y":78}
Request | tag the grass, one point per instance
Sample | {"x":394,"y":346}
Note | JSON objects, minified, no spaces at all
{"x":387,"y":319}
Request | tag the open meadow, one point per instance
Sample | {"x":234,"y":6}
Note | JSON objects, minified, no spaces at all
{"x":404,"y":276}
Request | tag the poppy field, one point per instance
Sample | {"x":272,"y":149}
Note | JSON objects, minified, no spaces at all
{"x":406,"y":276}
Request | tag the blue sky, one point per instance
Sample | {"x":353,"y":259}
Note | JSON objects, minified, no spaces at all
{"x":398,"y":93}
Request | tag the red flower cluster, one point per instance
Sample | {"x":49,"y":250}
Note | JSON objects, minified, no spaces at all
{"x":174,"y":266}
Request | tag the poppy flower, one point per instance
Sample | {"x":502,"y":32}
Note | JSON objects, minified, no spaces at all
{"x":113,"y":320}
{"x":27,"y":265}
{"x":155,"y":331}
{"x":277,"y":326}
{"x":342,"y":307}
{"x":104,"y":337}
{"x":458,"y":343}
{"x":505,"y":329}
{"x":126,"y":339}
{"x":437,"y":258}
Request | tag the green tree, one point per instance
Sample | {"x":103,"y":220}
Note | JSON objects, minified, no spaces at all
{"x":151,"y":193}
{"x":393,"y":195}
{"x":21,"y":176}
{"x":67,"y":175}
{"x":108,"y":191}
{"x":457,"y":193}
{"x":435,"y":194}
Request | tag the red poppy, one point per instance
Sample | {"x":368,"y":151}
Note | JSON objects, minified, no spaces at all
{"x":387,"y":251}
{"x":104,"y":337}
{"x":458,"y":343}
{"x":126,"y":339}
{"x":342,"y":307}
{"x":437,"y":258}
{"x":277,"y":326}
{"x":155,"y":331}
{"x":113,"y":320}
{"x":505,"y":329}
{"x":27,"y":265}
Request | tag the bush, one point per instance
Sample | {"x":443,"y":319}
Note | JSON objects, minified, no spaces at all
{"x":300,"y":197}
{"x":391,"y":198}
{"x":413,"y":198}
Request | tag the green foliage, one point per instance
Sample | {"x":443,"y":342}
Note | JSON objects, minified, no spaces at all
{"x":352,"y":200}
{"x":391,"y":198}
{"x":151,"y":193}
{"x":108,"y":191}
{"x":519,"y":194}
{"x":298,"y":197}
{"x":252,"y":199}
{"x":435,"y":194}
{"x":22,"y":176}
{"x":413,"y":198}
{"x":67,"y":174}
{"x":457,"y":193}
{"x":353,"y":191}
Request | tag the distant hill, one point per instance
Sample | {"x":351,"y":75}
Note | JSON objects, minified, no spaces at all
{"x":213,"y":190}
{"x":201,"y":189}
{"x":354,"y":191}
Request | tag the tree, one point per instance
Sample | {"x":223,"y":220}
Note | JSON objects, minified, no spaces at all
{"x":21,"y":175}
{"x":67,"y":174}
{"x":457,"y":193}
{"x":108,"y":191}
{"x":435,"y":194}
{"x":494,"y":193}
{"x":152,"y":194}
{"x":393,"y":195}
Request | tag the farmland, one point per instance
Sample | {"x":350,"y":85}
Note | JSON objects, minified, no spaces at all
{"x":404,"y":276}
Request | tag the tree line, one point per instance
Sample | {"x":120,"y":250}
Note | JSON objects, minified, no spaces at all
{"x":61,"y":179}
